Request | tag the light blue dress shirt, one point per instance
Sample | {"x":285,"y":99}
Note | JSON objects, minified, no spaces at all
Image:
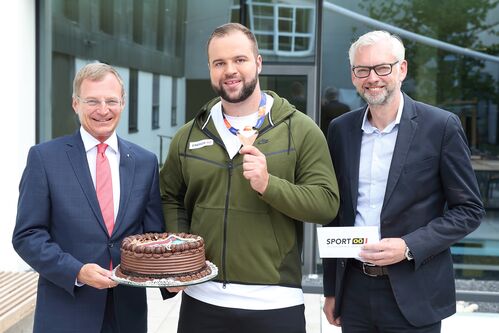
{"x":375,"y":158}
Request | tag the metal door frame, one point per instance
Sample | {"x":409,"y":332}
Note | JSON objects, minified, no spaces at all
{"x":309,"y":233}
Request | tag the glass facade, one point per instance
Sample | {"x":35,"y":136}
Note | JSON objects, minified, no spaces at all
{"x":159,"y":47}
{"x":442,"y":72}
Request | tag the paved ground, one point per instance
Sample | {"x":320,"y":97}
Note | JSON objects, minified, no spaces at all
{"x":163,"y":317}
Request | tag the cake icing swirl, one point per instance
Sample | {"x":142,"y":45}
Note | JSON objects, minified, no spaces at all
{"x":160,"y":255}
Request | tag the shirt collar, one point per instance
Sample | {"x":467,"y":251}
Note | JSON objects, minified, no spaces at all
{"x":368,"y":128}
{"x":90,"y":142}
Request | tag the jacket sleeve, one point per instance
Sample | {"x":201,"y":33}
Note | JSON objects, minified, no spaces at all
{"x":313,"y":197}
{"x":173,"y":190}
{"x":31,"y":238}
{"x":464,"y":206}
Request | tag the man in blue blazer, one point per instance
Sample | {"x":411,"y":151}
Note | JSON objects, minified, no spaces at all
{"x":404,"y":167}
{"x":60,"y":230}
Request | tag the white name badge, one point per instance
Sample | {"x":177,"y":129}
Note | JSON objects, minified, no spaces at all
{"x":344,"y":242}
{"x":200,"y":144}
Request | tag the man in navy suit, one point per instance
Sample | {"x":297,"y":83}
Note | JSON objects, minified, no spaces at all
{"x":404,"y":167}
{"x":60,"y":230}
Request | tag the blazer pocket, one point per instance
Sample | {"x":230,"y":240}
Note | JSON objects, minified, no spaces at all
{"x":426,"y":164}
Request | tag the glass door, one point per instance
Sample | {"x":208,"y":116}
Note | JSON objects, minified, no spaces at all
{"x":298,"y":85}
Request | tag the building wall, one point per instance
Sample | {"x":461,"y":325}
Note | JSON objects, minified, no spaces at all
{"x":17,"y":33}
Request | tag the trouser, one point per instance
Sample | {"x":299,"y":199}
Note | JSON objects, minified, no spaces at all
{"x":109,"y":325}
{"x":369,"y":306}
{"x":197,"y":316}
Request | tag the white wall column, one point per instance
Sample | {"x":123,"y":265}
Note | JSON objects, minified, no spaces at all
{"x":17,"y":134}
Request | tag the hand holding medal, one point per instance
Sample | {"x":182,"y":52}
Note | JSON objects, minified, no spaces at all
{"x":254,"y":161}
{"x":247,"y":136}
{"x":255,"y":168}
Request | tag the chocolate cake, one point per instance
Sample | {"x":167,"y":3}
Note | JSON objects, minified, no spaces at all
{"x":163,"y":255}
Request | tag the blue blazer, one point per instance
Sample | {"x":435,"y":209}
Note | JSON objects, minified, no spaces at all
{"x":432,"y":200}
{"x":60,"y":228}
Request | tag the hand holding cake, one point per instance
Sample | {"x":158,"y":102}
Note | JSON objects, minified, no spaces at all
{"x":95,"y":276}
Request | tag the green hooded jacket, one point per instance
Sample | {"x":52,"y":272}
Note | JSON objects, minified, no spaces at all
{"x":251,"y":238}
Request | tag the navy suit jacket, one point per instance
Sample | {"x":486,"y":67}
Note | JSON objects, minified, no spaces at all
{"x":60,"y":228}
{"x":431,"y":201}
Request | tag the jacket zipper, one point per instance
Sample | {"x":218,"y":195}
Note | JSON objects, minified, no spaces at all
{"x":230,"y":166}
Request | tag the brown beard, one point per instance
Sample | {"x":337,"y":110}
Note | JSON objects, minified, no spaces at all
{"x":248,"y":89}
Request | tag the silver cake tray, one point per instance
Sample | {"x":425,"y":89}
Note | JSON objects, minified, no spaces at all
{"x":165,"y":282}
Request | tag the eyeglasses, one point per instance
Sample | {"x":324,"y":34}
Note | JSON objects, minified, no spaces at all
{"x":92,"y":102}
{"x":380,"y":70}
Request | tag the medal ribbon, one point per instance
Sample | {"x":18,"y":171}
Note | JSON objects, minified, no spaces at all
{"x":259,"y":122}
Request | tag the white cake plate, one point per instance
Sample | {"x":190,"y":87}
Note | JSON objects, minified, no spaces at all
{"x":165,"y":282}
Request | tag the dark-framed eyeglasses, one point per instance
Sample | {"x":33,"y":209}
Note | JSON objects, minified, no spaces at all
{"x":380,"y":70}
{"x":92,"y":102}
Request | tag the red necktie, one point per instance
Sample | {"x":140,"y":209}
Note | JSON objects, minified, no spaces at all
{"x":104,"y":187}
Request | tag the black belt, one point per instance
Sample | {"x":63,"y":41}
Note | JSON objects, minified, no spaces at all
{"x":369,"y":269}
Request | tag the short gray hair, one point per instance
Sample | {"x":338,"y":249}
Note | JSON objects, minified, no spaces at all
{"x":374,"y":37}
{"x":95,"y":72}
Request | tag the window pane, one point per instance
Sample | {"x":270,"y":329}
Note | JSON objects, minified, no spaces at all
{"x":155,"y":101}
{"x":302,"y":43}
{"x":138,"y":25}
{"x":133,"y":112}
{"x":174,"y":110}
{"x":295,"y":20}
{"x":285,"y":43}
{"x":106,"y":16}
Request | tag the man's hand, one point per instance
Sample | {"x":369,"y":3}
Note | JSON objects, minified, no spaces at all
{"x":388,"y":251}
{"x":328,"y":311}
{"x":255,"y":168}
{"x":96,"y":276}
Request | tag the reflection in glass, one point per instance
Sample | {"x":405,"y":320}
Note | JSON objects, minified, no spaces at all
{"x":442,"y":73}
{"x":284,"y":29}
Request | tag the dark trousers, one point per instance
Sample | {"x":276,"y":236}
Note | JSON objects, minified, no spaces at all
{"x":109,"y":325}
{"x":369,"y":306}
{"x":197,"y":316}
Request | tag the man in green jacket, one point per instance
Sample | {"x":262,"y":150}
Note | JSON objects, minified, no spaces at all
{"x":245,"y":174}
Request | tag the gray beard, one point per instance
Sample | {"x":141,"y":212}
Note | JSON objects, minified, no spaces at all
{"x":379,"y":99}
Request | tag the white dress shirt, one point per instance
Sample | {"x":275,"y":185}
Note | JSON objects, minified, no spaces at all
{"x":375,"y":159}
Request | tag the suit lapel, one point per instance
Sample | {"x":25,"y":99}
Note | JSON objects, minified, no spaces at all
{"x":407,"y":129}
{"x":78,"y":160}
{"x":354,"y":141}
{"x":127,"y":172}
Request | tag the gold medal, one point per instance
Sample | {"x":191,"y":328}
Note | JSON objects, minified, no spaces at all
{"x":247,"y":136}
